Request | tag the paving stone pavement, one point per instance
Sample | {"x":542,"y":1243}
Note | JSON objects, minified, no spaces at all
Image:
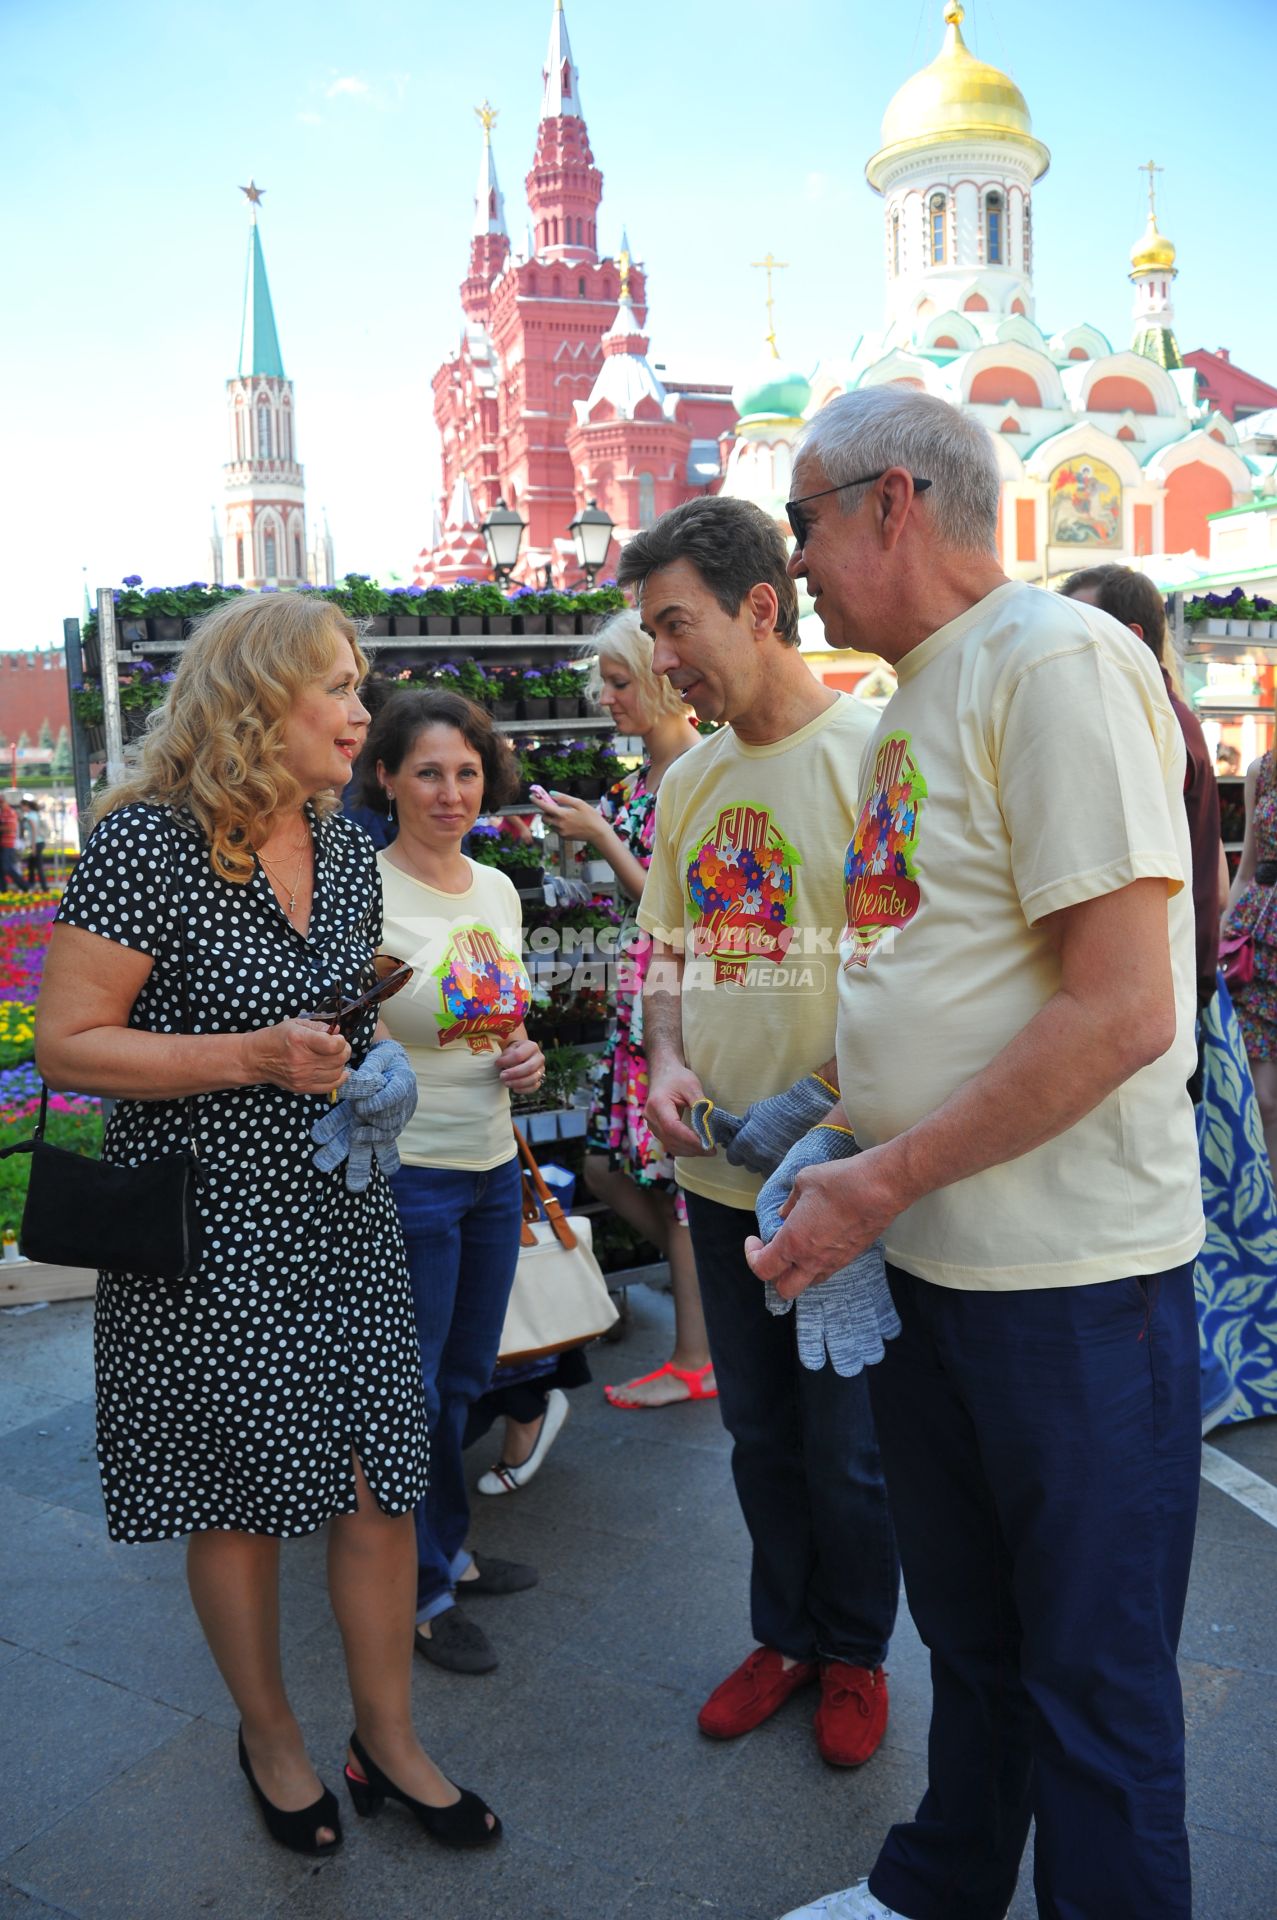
{"x":122,"y":1800}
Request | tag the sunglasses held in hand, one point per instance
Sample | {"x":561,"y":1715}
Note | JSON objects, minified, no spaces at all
{"x":390,"y":976}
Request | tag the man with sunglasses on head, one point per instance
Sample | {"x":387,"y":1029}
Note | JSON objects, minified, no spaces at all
{"x":743,"y":902}
{"x":1015,"y":1030}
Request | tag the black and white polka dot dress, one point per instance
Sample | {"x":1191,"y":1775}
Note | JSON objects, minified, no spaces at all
{"x":235,"y":1401}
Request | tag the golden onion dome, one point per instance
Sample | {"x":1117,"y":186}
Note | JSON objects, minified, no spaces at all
{"x":1152,"y":252}
{"x":956,"y":98}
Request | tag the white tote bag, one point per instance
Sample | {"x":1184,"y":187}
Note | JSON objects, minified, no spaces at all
{"x":560,"y":1298}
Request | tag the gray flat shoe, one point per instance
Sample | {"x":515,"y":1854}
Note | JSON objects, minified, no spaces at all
{"x":497,"y":1576}
{"x":456,"y":1643}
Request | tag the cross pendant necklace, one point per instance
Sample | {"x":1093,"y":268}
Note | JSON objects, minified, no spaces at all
{"x":290,"y":887}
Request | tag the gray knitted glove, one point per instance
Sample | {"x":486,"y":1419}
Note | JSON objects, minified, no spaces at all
{"x":762,"y":1136}
{"x":340,"y":1136}
{"x":849,"y":1315}
{"x":384,"y":1089}
{"x":374,"y":1104}
{"x":365,"y":1141}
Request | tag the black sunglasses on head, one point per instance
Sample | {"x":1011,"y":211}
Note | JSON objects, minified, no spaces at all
{"x":798,"y":519}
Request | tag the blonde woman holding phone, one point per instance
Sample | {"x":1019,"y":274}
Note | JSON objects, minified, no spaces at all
{"x":627,"y":1166}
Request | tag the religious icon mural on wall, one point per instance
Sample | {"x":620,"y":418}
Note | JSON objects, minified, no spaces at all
{"x":1086,"y":504}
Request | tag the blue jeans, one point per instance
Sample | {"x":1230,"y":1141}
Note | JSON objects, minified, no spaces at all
{"x":462,"y":1235}
{"x":825,"y":1579}
{"x":1042,"y":1451}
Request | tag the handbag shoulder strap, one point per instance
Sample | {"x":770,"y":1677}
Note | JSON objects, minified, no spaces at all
{"x":553,"y":1211}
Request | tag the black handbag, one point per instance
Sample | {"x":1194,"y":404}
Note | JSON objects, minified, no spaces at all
{"x":82,"y":1212}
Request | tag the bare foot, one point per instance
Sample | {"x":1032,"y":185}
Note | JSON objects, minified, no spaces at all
{"x":283,"y":1771}
{"x":661,"y":1389}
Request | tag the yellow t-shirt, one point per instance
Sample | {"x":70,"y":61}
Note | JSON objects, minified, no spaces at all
{"x":1029,"y":760}
{"x":469,"y":995}
{"x":746,"y":875}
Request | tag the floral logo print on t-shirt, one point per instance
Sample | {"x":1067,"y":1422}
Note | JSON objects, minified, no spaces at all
{"x":740,"y":882}
{"x":484,"y":992}
{"x":880,"y":871}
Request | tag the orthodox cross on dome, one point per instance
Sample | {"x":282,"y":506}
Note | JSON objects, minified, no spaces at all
{"x":256,"y":195}
{"x":1151,"y":168}
{"x":487,"y":118}
{"x":625,"y":261}
{"x":771,"y":265}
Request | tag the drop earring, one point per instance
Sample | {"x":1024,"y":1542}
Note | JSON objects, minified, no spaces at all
{"x":390,"y":807}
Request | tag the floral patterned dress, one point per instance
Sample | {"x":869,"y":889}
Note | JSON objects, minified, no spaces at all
{"x":1255,"y":911}
{"x":617,"y":1127}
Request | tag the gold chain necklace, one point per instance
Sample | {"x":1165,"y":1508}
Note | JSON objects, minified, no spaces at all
{"x":290,"y":887}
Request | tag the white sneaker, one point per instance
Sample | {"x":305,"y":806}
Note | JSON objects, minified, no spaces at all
{"x":504,"y":1479}
{"x":853,"y":1903}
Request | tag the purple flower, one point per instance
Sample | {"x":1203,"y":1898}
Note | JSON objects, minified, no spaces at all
{"x":395,"y":593}
{"x":196,"y":586}
{"x":532,"y":673}
{"x":132,"y":579}
{"x":415,"y":593}
{"x":151,"y":591}
{"x":304,"y":586}
{"x":270,"y":589}
{"x":166,"y":679}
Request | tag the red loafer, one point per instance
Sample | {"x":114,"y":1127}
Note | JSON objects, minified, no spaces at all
{"x":852,"y":1716}
{"x":753,"y":1693}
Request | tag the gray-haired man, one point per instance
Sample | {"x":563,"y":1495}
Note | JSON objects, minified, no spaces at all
{"x":1015,"y":1029}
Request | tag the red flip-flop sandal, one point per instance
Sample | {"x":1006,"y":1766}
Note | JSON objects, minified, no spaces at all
{"x":693,"y":1379}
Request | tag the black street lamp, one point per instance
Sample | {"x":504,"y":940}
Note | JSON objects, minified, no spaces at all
{"x":592,"y":532}
{"x":503,"y":532}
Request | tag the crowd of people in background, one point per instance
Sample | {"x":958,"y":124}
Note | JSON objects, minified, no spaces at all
{"x":22,"y":842}
{"x":905,"y":1078}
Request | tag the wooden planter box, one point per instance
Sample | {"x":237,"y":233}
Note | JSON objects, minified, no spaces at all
{"x":22,"y":1281}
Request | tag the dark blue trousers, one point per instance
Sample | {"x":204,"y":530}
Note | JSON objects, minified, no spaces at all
{"x":825,"y":1578}
{"x":1042,"y":1451}
{"x":462,"y":1235}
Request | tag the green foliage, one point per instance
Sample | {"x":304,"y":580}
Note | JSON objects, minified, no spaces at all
{"x":362,"y":597}
{"x":359,"y":596}
{"x":78,"y":1132}
{"x":565,"y":679}
{"x":479,"y":596}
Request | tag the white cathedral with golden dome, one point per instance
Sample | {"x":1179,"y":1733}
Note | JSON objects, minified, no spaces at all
{"x":1104,"y":454}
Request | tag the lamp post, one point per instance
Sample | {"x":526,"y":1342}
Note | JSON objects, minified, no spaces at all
{"x":592,"y":533}
{"x":503,"y":532}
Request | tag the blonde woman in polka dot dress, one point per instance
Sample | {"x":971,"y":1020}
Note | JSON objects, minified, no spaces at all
{"x":279,"y":1390}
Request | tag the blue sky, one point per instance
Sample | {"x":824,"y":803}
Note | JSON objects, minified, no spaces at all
{"x":723,"y":128}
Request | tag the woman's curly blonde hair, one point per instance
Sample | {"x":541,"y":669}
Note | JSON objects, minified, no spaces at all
{"x":216,"y":746}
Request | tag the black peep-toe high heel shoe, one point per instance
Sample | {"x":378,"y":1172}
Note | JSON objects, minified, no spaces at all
{"x":296,"y":1830}
{"x":464,"y":1824}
